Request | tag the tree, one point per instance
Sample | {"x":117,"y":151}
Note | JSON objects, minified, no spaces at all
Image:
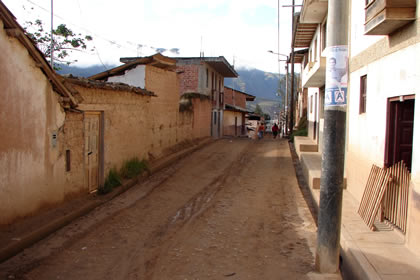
{"x":267,"y":117}
{"x":258,"y":110}
{"x":65,"y":41}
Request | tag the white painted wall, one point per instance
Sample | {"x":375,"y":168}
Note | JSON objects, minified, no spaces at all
{"x":134,"y":77}
{"x":393,"y":75}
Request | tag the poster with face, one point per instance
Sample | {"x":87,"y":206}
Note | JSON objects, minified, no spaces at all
{"x":336,"y":76}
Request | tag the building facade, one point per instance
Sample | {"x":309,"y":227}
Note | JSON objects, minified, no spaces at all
{"x":205,"y":76}
{"x":235,"y":111}
{"x":383,"y":117}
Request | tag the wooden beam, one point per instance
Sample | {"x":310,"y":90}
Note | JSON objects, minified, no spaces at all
{"x":13,"y":32}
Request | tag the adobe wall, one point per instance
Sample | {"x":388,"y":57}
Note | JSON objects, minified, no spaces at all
{"x":128,"y":123}
{"x":201,"y":117}
{"x":31,"y":168}
{"x":164,"y":111}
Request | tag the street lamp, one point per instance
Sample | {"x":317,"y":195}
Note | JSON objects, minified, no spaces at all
{"x":285,"y":98}
{"x":270,"y":51}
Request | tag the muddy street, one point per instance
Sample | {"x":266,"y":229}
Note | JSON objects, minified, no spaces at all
{"x":232,"y":210}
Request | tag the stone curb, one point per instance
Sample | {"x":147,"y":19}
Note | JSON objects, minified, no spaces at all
{"x":45,"y":230}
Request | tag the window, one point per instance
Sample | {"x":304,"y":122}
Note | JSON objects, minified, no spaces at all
{"x":312,"y":103}
{"x":68,"y":162}
{"x":207,"y":77}
{"x":324,"y":36}
{"x":316,"y":50}
{"x":362,"y":102}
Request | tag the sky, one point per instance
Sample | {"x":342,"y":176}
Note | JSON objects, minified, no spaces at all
{"x":240,"y":30}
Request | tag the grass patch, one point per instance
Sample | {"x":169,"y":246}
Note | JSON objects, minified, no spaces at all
{"x":112,"y":181}
{"x":133,"y":168}
{"x":301,"y":132}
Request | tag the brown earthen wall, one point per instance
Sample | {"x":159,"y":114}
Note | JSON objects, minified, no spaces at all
{"x":202,"y":117}
{"x":128,"y":123}
{"x":31,"y":166}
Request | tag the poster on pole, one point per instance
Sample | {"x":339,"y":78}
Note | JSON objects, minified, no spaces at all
{"x":336,"y":76}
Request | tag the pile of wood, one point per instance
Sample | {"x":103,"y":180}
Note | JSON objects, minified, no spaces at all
{"x":386,"y":195}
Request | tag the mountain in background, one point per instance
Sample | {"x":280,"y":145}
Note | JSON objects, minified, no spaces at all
{"x":83,"y":71}
{"x":263,"y":85}
{"x":259,"y":83}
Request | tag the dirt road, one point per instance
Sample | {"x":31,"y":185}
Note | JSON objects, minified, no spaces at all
{"x":232,"y":210}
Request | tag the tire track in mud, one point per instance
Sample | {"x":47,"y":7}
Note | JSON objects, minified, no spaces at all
{"x":121,"y":240}
{"x":193,"y":209}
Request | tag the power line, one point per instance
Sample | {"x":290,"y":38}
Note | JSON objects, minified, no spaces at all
{"x":94,"y":45}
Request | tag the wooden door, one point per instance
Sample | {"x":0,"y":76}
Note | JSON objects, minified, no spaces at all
{"x":399,"y":144}
{"x":92,"y":133}
{"x":316,"y":117}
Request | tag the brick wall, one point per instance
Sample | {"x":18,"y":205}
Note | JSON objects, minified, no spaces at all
{"x":229,"y":96}
{"x":234,"y":97}
{"x":189,"y":78}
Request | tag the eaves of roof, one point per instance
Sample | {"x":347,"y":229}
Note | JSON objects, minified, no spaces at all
{"x":98,"y":84}
{"x":248,"y":97}
{"x":220,"y":64}
{"x":229,"y":107}
{"x":156,"y":60}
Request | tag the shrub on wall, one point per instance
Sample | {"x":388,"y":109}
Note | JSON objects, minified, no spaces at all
{"x":112,"y":181}
{"x":130,"y":169}
{"x":133,"y":168}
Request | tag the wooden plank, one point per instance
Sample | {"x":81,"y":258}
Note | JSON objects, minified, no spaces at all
{"x":367,"y":192}
{"x":406,"y":187}
{"x":379,"y":193}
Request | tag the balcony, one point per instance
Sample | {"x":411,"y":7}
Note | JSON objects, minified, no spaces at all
{"x":313,"y":11}
{"x":313,"y":74}
{"x":382,"y":17}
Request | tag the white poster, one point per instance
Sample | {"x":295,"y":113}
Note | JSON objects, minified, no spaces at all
{"x":336,"y":76}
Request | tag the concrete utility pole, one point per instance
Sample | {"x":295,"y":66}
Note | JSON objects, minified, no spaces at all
{"x":331,"y":196}
{"x":286,"y":112}
{"x":52,"y":35}
{"x":292,"y":59}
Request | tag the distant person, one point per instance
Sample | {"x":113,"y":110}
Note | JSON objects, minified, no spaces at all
{"x":261,"y":129}
{"x":275,"y":130}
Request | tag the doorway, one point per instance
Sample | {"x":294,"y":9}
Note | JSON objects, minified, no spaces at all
{"x":92,"y":149}
{"x":399,"y":133}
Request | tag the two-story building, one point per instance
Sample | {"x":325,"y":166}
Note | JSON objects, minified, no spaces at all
{"x":205,"y":75}
{"x":235,"y":111}
{"x":310,"y":35}
{"x":383,"y":117}
{"x":383,"y":123}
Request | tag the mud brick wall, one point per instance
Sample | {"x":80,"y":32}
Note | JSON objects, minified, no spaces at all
{"x":127,"y":123}
{"x":201,"y":117}
{"x":164,"y":111}
{"x":72,"y":143}
{"x":31,"y":167}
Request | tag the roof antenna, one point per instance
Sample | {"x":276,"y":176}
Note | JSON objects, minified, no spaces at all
{"x":201,"y":47}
